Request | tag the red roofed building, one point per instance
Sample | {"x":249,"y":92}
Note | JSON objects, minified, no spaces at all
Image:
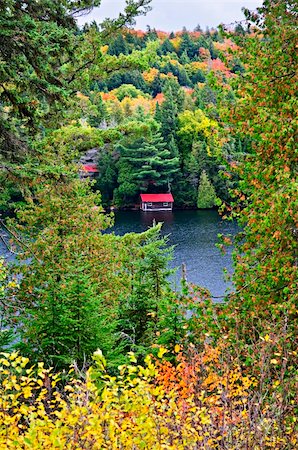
{"x":88,"y":170}
{"x":156,"y":202}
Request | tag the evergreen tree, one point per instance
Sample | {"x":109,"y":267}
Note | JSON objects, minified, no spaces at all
{"x":151,"y":34}
{"x":134,"y":77}
{"x":107,"y":180}
{"x":140,"y":313}
{"x":157,"y":114}
{"x":183,"y":78}
{"x":61,"y":302}
{"x":198,"y":28}
{"x":206,"y":193}
{"x":167,"y":47}
{"x":118,"y":46}
{"x":188,"y":46}
{"x":198,"y":77}
{"x":156,"y":86}
{"x":145,"y":165}
{"x":169,"y":115}
{"x":205,"y":96}
{"x":184,"y":59}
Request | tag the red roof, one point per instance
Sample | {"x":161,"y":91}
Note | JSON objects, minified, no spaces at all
{"x":90,"y":168}
{"x":157,"y":198}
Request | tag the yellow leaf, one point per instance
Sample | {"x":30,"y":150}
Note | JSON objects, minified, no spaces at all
{"x":161,"y":352}
{"x":177,"y":348}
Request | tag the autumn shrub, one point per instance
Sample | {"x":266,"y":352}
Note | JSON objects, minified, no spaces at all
{"x":201,"y":402}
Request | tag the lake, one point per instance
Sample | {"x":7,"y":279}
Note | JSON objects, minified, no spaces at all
{"x":194,"y":234}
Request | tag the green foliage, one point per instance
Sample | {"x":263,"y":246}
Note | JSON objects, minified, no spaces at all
{"x":144,"y":164}
{"x":141,"y":312}
{"x":6,"y":285}
{"x":45,"y":61}
{"x":266,"y":115}
{"x":196,"y":126}
{"x":82,"y":289}
{"x":206,"y":193}
{"x":167,"y":47}
{"x":168,"y":116}
{"x":97,"y":111}
{"x":118,"y":46}
{"x":128,"y":90}
{"x":60,"y":296}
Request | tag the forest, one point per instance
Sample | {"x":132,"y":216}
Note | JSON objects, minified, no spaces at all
{"x":97,"y":350}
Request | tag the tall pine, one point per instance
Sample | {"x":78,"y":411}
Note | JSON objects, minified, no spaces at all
{"x":146,"y":166}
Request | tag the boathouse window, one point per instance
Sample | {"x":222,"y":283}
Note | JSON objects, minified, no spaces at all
{"x":165,"y":204}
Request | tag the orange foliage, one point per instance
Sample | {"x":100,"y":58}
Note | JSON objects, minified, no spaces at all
{"x":150,"y":74}
{"x":159,"y":98}
{"x":138,"y":33}
{"x":148,"y":105}
{"x":162,"y":34}
{"x":226,"y":45}
{"x":204,"y":53}
{"x":108,"y":96}
{"x":218,"y":66}
{"x":188,"y":90}
{"x":203,"y":402}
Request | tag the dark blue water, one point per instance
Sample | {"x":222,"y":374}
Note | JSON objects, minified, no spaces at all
{"x":194,"y":234}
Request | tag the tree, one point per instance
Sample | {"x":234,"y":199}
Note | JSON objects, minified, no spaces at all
{"x":39,"y":75}
{"x":107,"y":180}
{"x":141,"y":312}
{"x":145,"y":165}
{"x":167,"y":47}
{"x":32,"y":73}
{"x":118,"y":46}
{"x":268,"y":258}
{"x":206,"y":193}
{"x":61,"y":302}
{"x":168,"y":116}
{"x":97,"y":111}
{"x":188,"y":46}
{"x":198,"y":28}
{"x":196,"y":126}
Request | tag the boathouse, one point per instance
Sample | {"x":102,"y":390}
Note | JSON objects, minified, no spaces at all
{"x":156,"y":202}
{"x":88,"y":171}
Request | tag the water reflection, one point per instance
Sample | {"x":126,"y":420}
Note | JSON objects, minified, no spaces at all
{"x":147,"y":218}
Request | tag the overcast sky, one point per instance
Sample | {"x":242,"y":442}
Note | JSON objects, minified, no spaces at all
{"x":172,"y":15}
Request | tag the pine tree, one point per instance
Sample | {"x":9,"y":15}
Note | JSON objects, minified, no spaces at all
{"x":140,"y":312}
{"x":63,"y":295}
{"x":118,"y":46}
{"x":206,"y":193}
{"x":169,"y":116}
{"x":146,"y":165}
{"x":167,"y":47}
{"x":156,"y":86}
{"x":157,"y":114}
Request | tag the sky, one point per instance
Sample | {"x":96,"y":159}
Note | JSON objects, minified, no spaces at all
{"x":172,"y":15}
